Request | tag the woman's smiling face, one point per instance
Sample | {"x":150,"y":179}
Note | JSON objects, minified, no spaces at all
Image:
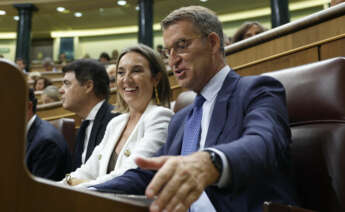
{"x":134,"y":80}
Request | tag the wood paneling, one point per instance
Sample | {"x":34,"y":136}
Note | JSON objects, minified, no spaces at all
{"x":172,"y":80}
{"x":52,"y":75}
{"x":40,"y":68}
{"x":56,"y":82}
{"x":313,"y":36}
{"x":334,"y":48}
{"x":286,"y":61}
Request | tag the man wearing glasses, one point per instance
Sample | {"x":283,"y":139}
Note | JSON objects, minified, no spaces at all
{"x":228,"y":151}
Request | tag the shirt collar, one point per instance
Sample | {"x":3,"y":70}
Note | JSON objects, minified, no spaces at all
{"x":30,"y":122}
{"x":210,"y":90}
{"x":94,"y":111}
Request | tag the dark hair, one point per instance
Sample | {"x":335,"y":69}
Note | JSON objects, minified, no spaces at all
{"x":47,"y":82}
{"x":239,"y":34}
{"x":159,"y":47}
{"x":157,"y":67}
{"x":105,"y":55}
{"x":112,"y":79}
{"x":203,"y":19}
{"x":32,"y":98}
{"x":90,"y":69}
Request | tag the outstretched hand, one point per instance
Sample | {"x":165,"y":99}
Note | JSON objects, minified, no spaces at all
{"x":180,"y":180}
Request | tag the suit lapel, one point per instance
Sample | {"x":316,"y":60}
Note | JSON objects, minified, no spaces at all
{"x":179,"y":138}
{"x":97,"y":124}
{"x":175,"y":144}
{"x":32,"y":133}
{"x":219,"y":114}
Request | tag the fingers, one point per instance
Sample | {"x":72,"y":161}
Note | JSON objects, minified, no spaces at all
{"x":177,"y":187}
{"x":162,"y":177}
{"x":179,"y":181}
{"x":184,"y":196}
{"x":76,"y":181}
{"x":151,"y":163}
{"x":184,"y":206}
{"x":168,"y":193}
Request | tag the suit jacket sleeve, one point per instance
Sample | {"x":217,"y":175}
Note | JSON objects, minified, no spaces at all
{"x":47,"y":159}
{"x":262,"y":147}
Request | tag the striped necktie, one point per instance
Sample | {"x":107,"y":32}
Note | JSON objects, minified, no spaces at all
{"x":192,"y":129}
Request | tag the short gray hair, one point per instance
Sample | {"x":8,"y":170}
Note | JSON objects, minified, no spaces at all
{"x":203,"y":18}
{"x":52,"y":92}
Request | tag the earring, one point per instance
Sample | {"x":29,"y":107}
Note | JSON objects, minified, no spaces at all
{"x":157,"y":97}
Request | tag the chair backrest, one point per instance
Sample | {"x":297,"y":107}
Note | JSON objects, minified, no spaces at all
{"x":316,"y":104}
{"x":67,"y":127}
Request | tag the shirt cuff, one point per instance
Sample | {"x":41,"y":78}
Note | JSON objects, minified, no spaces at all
{"x":225,"y":177}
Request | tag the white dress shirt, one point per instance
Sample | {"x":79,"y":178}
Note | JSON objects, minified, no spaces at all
{"x":210,"y":92}
{"x":91,"y":117}
{"x":29,"y":124}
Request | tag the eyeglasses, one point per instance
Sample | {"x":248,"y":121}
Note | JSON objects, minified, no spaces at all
{"x":179,"y":46}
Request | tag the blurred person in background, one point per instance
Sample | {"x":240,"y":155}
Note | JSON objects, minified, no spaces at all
{"x":21,"y":64}
{"x":335,"y":2}
{"x":111,"y":70}
{"x":41,"y":83}
{"x":104,"y":58}
{"x":247,"y":30}
{"x":50,"y":94}
{"x":114,"y":56}
{"x":48,"y":65}
{"x":62,"y":59}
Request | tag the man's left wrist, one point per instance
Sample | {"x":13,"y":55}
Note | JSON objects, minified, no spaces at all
{"x":216,"y":160}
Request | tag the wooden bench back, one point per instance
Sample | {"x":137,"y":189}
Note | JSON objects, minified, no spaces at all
{"x":20,"y":191}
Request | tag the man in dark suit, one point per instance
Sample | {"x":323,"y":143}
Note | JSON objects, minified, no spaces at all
{"x":47,"y":153}
{"x":85,"y":91}
{"x":229,"y":150}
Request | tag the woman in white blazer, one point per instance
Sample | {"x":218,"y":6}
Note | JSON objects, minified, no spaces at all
{"x":143,"y":96}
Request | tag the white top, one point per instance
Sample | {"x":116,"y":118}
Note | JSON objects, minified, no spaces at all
{"x":148,"y":136}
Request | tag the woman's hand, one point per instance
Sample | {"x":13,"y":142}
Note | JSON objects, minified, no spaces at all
{"x":72,"y":181}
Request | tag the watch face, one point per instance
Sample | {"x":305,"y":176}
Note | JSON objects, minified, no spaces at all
{"x":216,"y":160}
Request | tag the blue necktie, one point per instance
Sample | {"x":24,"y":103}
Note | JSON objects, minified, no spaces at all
{"x":192,"y":129}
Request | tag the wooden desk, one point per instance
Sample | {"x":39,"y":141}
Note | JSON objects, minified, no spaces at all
{"x":40,"y":68}
{"x":56,"y":82}
{"x":54,"y":110}
{"x":52,"y":75}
